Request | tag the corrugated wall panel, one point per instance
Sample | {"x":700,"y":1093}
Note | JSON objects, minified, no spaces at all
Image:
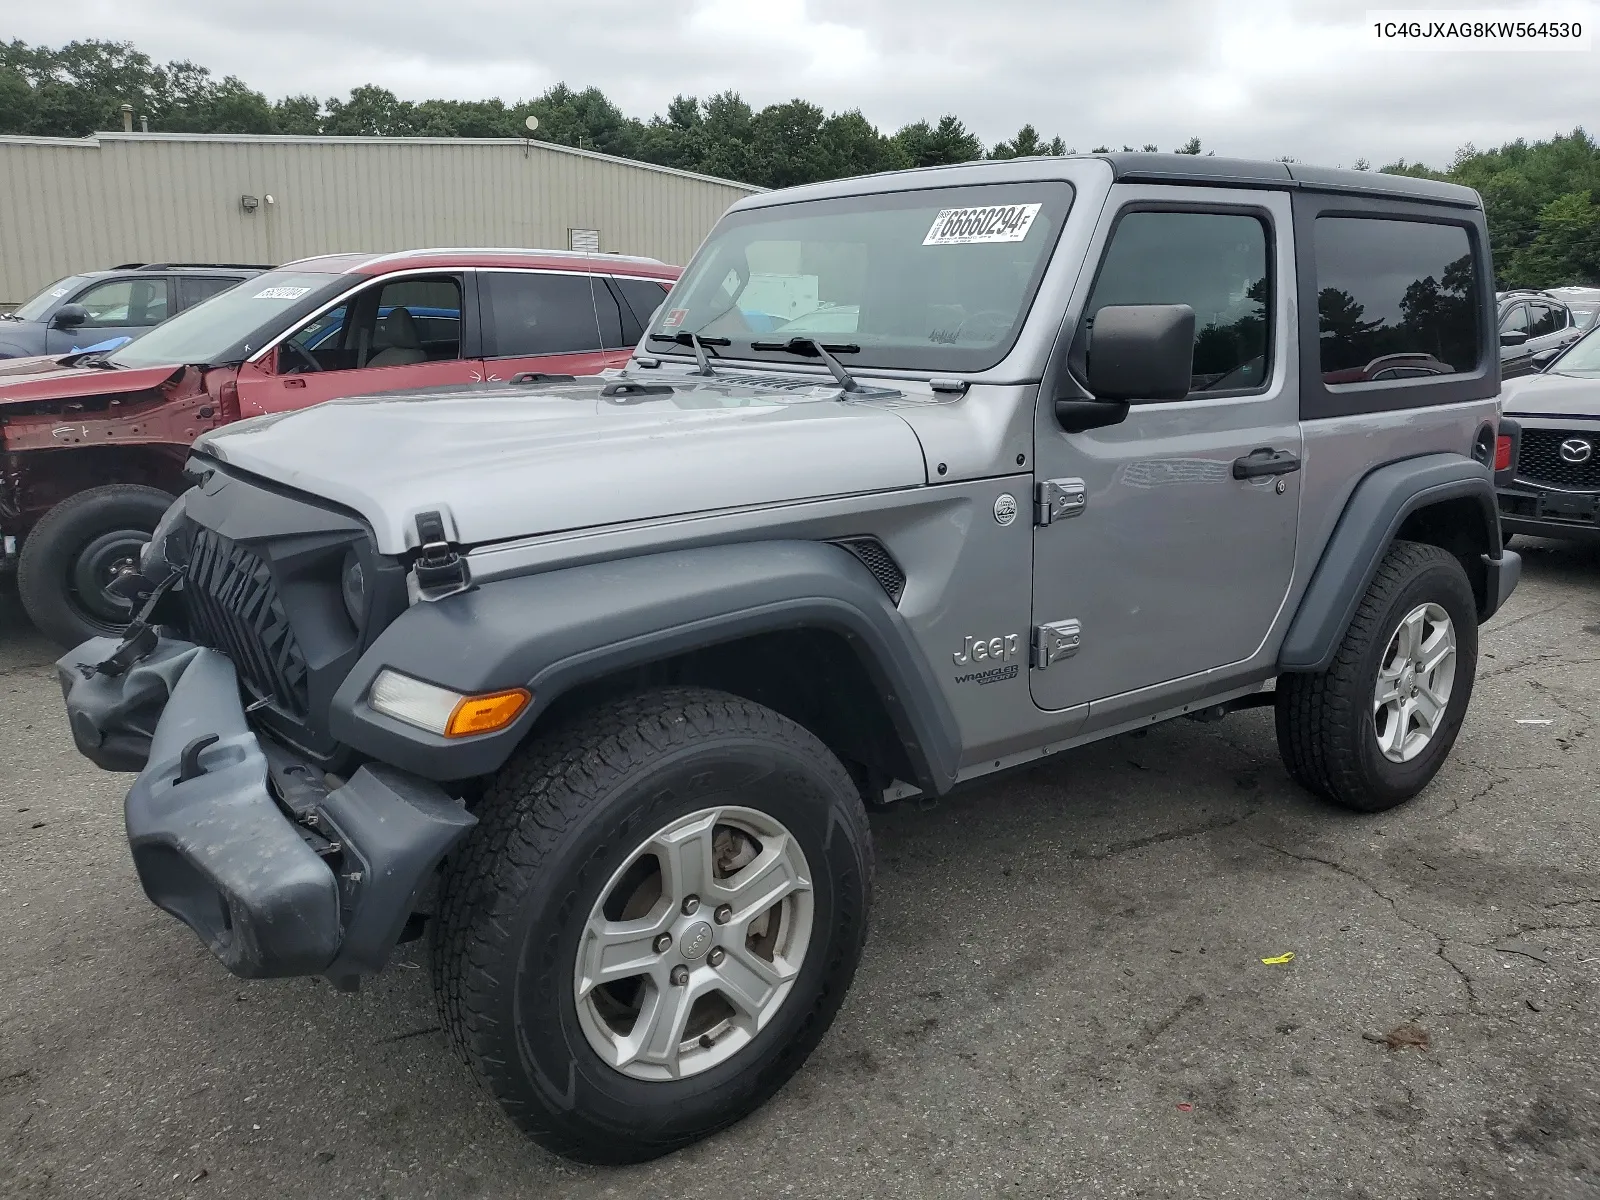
{"x":72,"y":206}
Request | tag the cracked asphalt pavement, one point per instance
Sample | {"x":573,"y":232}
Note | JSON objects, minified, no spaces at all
{"x":1063,"y":994}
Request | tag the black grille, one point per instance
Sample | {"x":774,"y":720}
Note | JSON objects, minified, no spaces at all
{"x":1539,"y":459}
{"x":233,"y":607}
{"x":878,"y":560}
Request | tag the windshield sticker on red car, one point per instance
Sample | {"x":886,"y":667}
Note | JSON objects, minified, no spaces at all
{"x":281,"y":293}
{"x":992,"y":223}
{"x":675,"y":318}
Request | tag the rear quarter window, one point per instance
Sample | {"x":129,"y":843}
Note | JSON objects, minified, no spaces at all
{"x":1390,"y":287}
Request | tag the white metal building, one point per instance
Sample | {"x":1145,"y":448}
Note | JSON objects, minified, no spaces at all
{"x":70,"y":204}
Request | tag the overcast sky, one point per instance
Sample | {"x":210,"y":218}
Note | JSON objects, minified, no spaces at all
{"x":1260,"y":78}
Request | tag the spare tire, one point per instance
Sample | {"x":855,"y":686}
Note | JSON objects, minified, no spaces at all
{"x":76,"y":550}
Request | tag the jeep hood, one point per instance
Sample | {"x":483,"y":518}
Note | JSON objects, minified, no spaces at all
{"x":1551,"y":395}
{"x":503,"y":462}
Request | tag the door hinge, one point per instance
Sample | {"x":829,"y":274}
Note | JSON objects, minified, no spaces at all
{"x":439,"y":569}
{"x":1058,"y":499}
{"x":1055,"y":641}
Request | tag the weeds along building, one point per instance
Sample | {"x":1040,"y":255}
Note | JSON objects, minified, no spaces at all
{"x":77,"y":204}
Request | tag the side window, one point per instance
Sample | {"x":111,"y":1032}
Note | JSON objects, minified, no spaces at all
{"x":194,"y":288}
{"x":535,"y":313}
{"x":395,"y":324}
{"x":126,"y":302}
{"x":643,"y":297}
{"x":417,"y":320}
{"x":1216,"y":263}
{"x":1545,"y":320}
{"x":1387,"y":286}
{"x":1515,"y":320}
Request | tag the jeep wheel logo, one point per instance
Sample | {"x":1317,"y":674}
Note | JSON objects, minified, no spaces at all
{"x":1005,"y":508}
{"x":1576,"y":450}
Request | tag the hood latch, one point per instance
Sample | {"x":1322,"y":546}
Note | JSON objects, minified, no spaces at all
{"x":439,"y":568}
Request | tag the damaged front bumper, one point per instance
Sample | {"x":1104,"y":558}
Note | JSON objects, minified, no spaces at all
{"x":279,"y":874}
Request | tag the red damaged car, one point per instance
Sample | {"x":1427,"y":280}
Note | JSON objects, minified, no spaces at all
{"x":92,"y":445}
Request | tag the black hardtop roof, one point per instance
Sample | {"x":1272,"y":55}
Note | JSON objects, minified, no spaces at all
{"x":1177,"y":169}
{"x":1205,"y":169}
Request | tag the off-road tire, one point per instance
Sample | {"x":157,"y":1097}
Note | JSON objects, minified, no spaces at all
{"x":554,"y":825}
{"x":52,"y":550}
{"x":1324,"y":720}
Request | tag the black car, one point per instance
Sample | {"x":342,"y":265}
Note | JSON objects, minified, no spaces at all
{"x":1535,"y":326}
{"x":1555,"y":419}
{"x":103,"y":309}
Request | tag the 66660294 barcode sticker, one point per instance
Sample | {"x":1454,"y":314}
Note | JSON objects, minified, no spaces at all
{"x":992,"y":223}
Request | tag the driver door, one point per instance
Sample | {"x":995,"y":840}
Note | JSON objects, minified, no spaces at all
{"x":417,"y":331}
{"x":1171,"y":565}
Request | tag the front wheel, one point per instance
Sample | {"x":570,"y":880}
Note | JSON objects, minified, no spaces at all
{"x":1373,"y":729}
{"x":75,"y":552}
{"x":654,"y":921}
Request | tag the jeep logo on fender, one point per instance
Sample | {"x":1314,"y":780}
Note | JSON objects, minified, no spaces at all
{"x":997,"y":649}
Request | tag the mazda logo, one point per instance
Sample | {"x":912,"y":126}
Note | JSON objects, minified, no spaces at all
{"x":1577,"y":450}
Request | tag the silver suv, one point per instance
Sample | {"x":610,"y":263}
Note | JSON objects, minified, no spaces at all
{"x":914,"y":478}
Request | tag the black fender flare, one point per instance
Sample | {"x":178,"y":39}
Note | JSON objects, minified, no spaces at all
{"x":553,"y":631}
{"x":1371,"y":519}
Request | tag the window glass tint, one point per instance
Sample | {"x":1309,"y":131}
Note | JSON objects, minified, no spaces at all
{"x":126,"y":302}
{"x":418,"y":315}
{"x":194,"y":288}
{"x":1388,"y":287}
{"x":1515,"y":319}
{"x":1544,"y":319}
{"x":609,"y":312}
{"x":643,"y":298}
{"x":34,"y":309}
{"x":1216,"y":263}
{"x":922,"y":280}
{"x":530,"y":313}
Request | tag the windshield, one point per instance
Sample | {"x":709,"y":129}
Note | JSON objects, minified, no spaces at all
{"x":924,"y":281}
{"x":1582,"y":358}
{"x":35,"y":309}
{"x":231,"y":323}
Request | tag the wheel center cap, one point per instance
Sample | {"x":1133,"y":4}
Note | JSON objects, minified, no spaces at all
{"x":1408,"y":678}
{"x":696,"y":940}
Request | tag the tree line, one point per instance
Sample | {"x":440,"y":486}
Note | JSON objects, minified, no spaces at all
{"x":1542,"y":197}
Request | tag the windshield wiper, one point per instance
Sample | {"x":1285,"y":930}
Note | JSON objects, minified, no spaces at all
{"x":702,"y":363}
{"x":811,"y":347}
{"x":101,"y":359}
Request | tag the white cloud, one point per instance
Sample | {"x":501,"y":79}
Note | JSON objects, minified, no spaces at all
{"x":1257,"y":78}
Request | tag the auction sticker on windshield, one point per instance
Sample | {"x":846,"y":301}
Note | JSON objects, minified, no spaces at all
{"x":281,"y":293}
{"x":993,"y":223}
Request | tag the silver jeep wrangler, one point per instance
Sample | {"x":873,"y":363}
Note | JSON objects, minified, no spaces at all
{"x":915,"y":478}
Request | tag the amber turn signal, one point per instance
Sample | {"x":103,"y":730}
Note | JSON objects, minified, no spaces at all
{"x":485,"y":714}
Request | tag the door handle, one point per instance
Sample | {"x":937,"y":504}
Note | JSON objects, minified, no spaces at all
{"x":294,"y":381}
{"x":1264,"y":460}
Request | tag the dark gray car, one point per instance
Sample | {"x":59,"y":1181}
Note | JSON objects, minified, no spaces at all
{"x":1556,"y":489}
{"x":103,"y":309}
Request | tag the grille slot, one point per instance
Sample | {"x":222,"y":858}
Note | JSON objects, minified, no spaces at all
{"x":1539,"y":459}
{"x":876,"y":558}
{"x":233,"y":606}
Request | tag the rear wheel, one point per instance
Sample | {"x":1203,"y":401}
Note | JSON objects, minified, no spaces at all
{"x":654,"y":921}
{"x":1373,"y":729}
{"x":77,"y":549}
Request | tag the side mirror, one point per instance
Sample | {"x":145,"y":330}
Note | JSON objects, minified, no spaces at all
{"x":69,"y":316}
{"x":1513,"y":337}
{"x":1142,"y":352}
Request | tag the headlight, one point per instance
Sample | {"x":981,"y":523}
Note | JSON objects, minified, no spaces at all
{"x":353,"y":587}
{"x":439,"y":710}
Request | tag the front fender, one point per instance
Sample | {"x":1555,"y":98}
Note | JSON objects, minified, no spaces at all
{"x":554,"y":631}
{"x":1372,"y":517}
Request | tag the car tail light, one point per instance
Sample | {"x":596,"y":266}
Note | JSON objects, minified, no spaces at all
{"x":1502,"y":452}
